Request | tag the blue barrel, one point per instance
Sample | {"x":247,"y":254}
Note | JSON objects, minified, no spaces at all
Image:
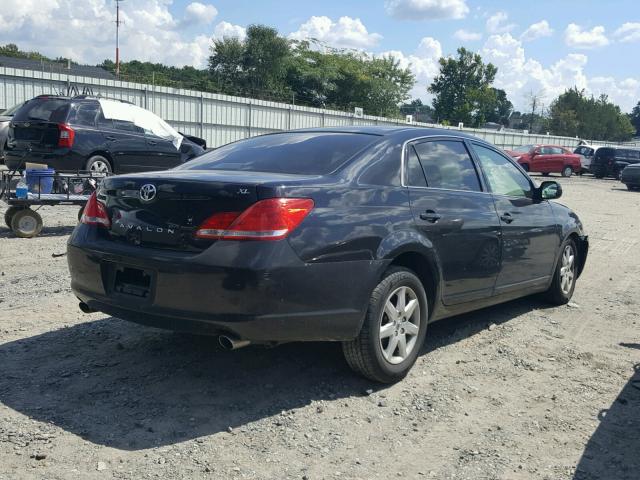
{"x":40,"y":181}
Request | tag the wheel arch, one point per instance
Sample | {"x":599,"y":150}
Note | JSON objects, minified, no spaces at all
{"x":582,"y":244}
{"x":410,"y":250}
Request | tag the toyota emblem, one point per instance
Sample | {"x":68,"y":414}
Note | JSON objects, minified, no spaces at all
{"x":147,"y":192}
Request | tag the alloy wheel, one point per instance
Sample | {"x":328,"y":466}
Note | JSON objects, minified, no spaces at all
{"x":399,"y":325}
{"x":567,"y":269}
{"x":99,"y":166}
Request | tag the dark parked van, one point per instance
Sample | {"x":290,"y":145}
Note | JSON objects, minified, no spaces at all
{"x":77,"y":134}
{"x":610,"y":161}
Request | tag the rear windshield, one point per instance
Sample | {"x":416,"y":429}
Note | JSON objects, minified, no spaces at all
{"x":43,"y":109}
{"x":305,"y":153}
{"x":606,"y":152}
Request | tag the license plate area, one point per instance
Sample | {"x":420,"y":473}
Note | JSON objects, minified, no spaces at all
{"x":132,"y":282}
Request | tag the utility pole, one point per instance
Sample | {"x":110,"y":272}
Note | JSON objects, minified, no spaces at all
{"x":118,"y":22}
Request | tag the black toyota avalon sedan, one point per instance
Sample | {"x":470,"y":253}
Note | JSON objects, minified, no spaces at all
{"x":358,"y":235}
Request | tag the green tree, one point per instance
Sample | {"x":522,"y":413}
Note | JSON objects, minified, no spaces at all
{"x":635,"y":118}
{"x":462,"y":90}
{"x":575,"y":114}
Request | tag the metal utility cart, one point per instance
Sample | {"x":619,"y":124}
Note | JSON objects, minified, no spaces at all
{"x":60,"y":188}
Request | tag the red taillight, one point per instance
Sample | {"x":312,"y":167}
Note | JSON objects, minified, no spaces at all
{"x":270,"y":219}
{"x":67,"y":134}
{"x":95,"y":213}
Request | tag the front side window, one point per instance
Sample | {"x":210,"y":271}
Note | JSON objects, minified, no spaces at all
{"x":503,"y":177}
{"x":447,"y":164}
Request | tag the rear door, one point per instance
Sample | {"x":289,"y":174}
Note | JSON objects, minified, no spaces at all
{"x":530,"y":234}
{"x":542,"y":160}
{"x":451,"y":209}
{"x":557,"y":159}
{"x":126,"y":143}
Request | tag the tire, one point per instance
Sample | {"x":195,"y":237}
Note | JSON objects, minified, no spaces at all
{"x":8,"y":215}
{"x":545,"y":174}
{"x":560,"y":293}
{"x":99,"y":164}
{"x":26,"y":223}
{"x":366,"y":353}
{"x":525,"y":167}
{"x":80,"y":213}
{"x":567,"y":171}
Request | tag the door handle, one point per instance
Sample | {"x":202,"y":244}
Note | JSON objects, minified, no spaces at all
{"x":151,"y":142}
{"x":430,"y":216}
{"x":506,"y":217}
{"x":110,"y":138}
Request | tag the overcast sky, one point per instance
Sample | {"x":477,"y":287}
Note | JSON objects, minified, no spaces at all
{"x":539,"y":46}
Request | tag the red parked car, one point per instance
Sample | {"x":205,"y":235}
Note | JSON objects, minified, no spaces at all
{"x":547,"y":159}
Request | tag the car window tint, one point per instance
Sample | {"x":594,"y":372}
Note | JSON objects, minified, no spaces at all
{"x":504,"y":178}
{"x":447,"y":164}
{"x":84,"y":114}
{"x":305,"y":153}
{"x":127,"y":126}
{"x":43,"y":109}
{"x":415,"y":175}
{"x":557,"y":150}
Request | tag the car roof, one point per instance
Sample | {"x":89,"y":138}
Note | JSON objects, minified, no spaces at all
{"x":402,"y":133}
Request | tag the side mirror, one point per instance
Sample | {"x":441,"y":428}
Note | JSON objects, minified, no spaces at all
{"x":549,"y":191}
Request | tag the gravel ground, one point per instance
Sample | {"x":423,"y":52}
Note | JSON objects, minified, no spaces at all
{"x":517,"y":391}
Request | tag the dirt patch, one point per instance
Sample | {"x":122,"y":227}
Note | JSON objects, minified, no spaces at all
{"x":517,"y":391}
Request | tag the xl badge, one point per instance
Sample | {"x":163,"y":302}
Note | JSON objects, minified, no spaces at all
{"x":147,"y":192}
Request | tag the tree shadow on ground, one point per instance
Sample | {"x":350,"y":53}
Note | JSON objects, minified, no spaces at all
{"x":613,"y":451}
{"x":130,"y":387}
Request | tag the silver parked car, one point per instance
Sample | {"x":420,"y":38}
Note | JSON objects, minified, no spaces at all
{"x":586,"y":152}
{"x":5,"y":118}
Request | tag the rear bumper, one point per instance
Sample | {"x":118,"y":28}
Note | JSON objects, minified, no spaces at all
{"x":60,"y":159}
{"x":630,"y":177}
{"x":259,"y":291}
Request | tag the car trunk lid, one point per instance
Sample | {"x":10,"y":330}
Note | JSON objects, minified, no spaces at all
{"x":164,"y":209}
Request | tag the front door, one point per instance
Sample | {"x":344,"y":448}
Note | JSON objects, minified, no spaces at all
{"x":126,"y":143}
{"x":162,"y":153}
{"x":530,"y":235}
{"x":451,"y":209}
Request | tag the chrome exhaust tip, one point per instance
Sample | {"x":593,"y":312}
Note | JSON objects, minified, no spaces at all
{"x":231,"y":343}
{"x":86,"y":308}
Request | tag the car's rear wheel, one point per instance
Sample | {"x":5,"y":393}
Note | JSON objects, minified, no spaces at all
{"x":567,"y":171}
{"x":525,"y":167}
{"x":98,"y":164}
{"x":26,"y":223}
{"x":565,"y":275}
{"x":393,"y":330}
{"x":545,"y":174}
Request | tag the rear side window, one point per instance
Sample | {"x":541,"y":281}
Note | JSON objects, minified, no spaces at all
{"x":85,"y":114}
{"x":415,"y":175}
{"x":305,"y":153}
{"x":43,"y":109}
{"x":606,"y":152}
{"x":447,"y":164}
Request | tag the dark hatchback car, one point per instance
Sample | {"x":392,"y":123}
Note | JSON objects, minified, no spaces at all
{"x":71,"y":134}
{"x":359,"y":235}
{"x":630,"y":176}
{"x":610,"y":161}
